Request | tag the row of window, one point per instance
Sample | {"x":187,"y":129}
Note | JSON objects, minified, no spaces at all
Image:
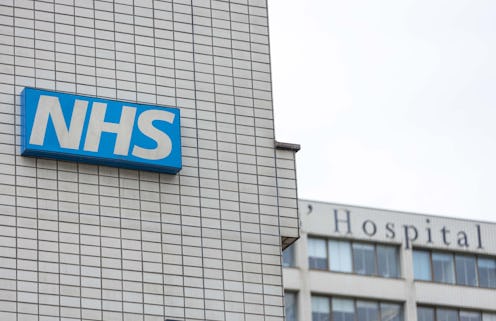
{"x":339,"y":309}
{"x":356,"y":257}
{"x":345,"y":309}
{"x":445,"y":314}
{"x":451,"y":268}
{"x":383,"y":260}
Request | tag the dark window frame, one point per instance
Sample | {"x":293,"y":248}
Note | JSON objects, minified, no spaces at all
{"x":452,"y":261}
{"x":458,"y":310}
{"x":295,"y":293}
{"x":290,"y":249}
{"x":355,"y":306}
{"x":326,"y":255}
{"x":353,"y":268}
{"x":454,"y":255}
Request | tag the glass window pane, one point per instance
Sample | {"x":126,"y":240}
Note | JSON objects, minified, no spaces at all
{"x":446,"y":315}
{"x":290,"y":305}
{"x":443,"y":268}
{"x":320,"y":309}
{"x":317,"y":254}
{"x":387,"y":261}
{"x":487,"y":272}
{"x":425,"y":314}
{"x":367,"y":311}
{"x":343,"y":310}
{"x":489,"y":317}
{"x":340,"y":256}
{"x":288,"y":256}
{"x":391,"y":312}
{"x":470,"y":316}
{"x":466,"y":270}
{"x":364,"y":258}
{"x":422,"y":265}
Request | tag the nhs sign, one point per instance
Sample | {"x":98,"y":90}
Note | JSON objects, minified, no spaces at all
{"x":100,"y":131}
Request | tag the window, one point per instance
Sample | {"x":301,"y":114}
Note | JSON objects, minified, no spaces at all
{"x":445,"y":314}
{"x":357,"y":257}
{"x":470,"y":316}
{"x":367,"y":311}
{"x":317,"y":254}
{"x":422,"y":265}
{"x":387,"y":261}
{"x":442,"y":265}
{"x":390,"y":312}
{"x":466,"y":270}
{"x":487,"y":272}
{"x":343,"y":310}
{"x":288,"y":256}
{"x":462,"y":269}
{"x":425,"y":314}
{"x":489,"y":317}
{"x":290,"y":305}
{"x":320,"y":309}
{"x":340,"y":256}
{"x":364,"y":258}
{"x":352,"y":310}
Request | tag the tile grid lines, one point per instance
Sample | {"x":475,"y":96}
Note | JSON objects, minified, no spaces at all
{"x":237,"y":162}
{"x":104,"y":214}
{"x":218,"y":169}
{"x":37,"y":235}
{"x":139,"y":15}
{"x":77,"y":170}
{"x":37,"y":198}
{"x":180,"y":199}
{"x":121,"y":259}
{"x":58,"y":221}
{"x":77,"y":183}
{"x":256,"y":167}
{"x":275,"y":168}
{"x":59,"y":231}
{"x":198,"y":164}
{"x":101,"y":267}
{"x":138,"y":172}
{"x":101,"y":236}
{"x":58,"y":237}
{"x":98,"y":171}
{"x":79,"y":240}
{"x":119,"y":187}
{"x":160,"y":195}
{"x":141,"y":244}
{"x":162,"y":242}
{"x":83,"y":64}
{"x":15,"y":173}
{"x":103,"y":86}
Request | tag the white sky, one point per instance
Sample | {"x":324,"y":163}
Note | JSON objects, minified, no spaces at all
{"x":393,"y":102}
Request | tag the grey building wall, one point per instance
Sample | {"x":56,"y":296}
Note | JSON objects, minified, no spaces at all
{"x":85,"y":242}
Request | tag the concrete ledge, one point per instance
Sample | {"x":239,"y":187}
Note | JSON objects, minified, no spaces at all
{"x":287,"y":146}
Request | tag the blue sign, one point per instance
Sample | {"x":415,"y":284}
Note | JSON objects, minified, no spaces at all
{"x":100,"y":131}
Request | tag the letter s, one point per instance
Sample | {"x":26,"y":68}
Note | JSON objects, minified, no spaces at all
{"x":164,"y":143}
{"x":390,"y":231}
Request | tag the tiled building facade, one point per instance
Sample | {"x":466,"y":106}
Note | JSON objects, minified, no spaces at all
{"x":88,"y":242}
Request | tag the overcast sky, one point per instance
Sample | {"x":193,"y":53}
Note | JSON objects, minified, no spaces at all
{"x":393,"y":102}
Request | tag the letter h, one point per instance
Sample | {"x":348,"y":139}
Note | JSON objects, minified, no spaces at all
{"x":337,"y":220}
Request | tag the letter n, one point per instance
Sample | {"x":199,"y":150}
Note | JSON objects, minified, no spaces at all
{"x":49,"y":107}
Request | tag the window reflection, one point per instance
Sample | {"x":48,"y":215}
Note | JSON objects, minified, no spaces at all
{"x":442,"y":265}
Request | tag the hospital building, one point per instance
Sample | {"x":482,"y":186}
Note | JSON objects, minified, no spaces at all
{"x":355,"y":263}
{"x":140,"y":178}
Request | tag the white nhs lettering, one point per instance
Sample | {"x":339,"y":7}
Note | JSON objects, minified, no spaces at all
{"x":69,"y":135}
